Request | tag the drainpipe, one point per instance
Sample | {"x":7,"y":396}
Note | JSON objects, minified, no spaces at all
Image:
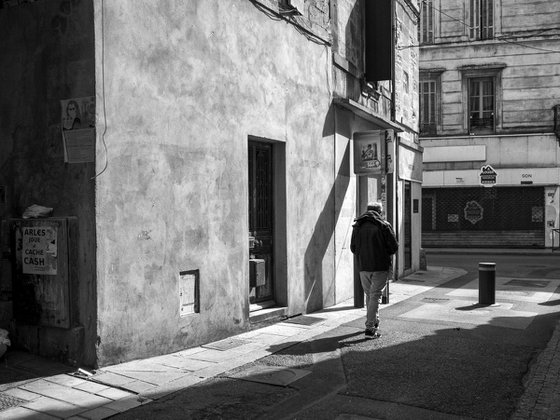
{"x":395,"y":182}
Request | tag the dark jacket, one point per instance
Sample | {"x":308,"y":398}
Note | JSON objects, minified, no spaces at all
{"x":373,"y":241}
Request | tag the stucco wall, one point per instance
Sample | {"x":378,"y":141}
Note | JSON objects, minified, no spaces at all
{"x":184,"y":85}
{"x":48,"y":55}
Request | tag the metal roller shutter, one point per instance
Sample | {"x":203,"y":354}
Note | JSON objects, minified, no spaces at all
{"x":508,"y":217}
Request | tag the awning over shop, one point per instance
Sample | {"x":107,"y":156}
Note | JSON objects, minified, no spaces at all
{"x":367,"y":114}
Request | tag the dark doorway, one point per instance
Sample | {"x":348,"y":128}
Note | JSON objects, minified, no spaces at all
{"x":261,"y":221}
{"x":407,"y":225}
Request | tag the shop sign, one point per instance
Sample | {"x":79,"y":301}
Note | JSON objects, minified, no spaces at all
{"x":39,"y":250}
{"x":410,"y":164}
{"x":369,"y":152}
{"x":473,"y":212}
{"x":488,"y":176}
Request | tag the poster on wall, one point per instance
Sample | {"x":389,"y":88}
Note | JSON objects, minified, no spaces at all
{"x":39,"y":250}
{"x":78,"y":129}
{"x":473,"y":212}
{"x":369,"y":152}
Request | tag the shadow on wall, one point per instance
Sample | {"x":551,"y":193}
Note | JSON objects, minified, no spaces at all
{"x":354,"y":48}
{"x":323,"y":232}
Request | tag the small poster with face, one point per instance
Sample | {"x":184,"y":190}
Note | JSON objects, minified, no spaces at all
{"x":78,"y":113}
{"x":78,"y":129}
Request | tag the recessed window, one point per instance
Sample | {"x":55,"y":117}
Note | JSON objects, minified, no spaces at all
{"x":481,"y":105}
{"x":481,"y":19}
{"x":428,"y":106}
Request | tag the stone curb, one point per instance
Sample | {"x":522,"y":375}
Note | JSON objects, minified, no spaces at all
{"x":541,"y":399}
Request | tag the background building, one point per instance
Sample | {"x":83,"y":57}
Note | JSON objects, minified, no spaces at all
{"x":489,"y":96}
{"x":199,"y":158}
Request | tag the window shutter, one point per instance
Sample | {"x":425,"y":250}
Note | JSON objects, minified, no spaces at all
{"x":427,"y":22}
{"x":379,"y":40}
{"x":474,"y":19}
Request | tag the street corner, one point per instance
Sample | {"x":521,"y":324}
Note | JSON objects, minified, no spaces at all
{"x":464,"y":313}
{"x":435,"y":275}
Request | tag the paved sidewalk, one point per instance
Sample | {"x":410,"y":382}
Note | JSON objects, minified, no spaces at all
{"x":116,"y":389}
{"x":541,"y":400}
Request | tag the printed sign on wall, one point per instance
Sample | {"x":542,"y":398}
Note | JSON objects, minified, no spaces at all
{"x":369,"y":152}
{"x":39,"y":250}
{"x":488,"y":176}
{"x":473,"y":212}
{"x":410,"y":164}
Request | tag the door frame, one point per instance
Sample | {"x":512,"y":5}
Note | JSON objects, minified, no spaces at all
{"x":279,"y":228}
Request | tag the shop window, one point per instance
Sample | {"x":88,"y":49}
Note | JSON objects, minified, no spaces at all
{"x":481,"y":105}
{"x":426,"y":29}
{"x":481,"y":22}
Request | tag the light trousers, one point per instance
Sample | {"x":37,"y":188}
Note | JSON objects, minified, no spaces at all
{"x":373,"y":283}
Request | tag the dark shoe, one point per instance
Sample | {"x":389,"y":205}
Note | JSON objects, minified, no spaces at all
{"x":371,"y":333}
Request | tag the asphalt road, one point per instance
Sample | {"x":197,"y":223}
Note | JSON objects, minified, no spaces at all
{"x":532,"y":266}
{"x":441,"y":356}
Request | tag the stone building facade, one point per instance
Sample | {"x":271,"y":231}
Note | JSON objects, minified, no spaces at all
{"x":489,"y":89}
{"x":216,"y":186}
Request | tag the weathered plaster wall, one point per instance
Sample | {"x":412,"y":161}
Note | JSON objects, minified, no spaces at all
{"x":348,"y":38}
{"x":406,"y":67}
{"x":48,"y":55}
{"x":348,"y":70}
{"x":184,"y":85}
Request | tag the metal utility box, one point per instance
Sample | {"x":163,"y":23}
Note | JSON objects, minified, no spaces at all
{"x":257,"y":272}
{"x":44,"y":260}
{"x":42,"y":275}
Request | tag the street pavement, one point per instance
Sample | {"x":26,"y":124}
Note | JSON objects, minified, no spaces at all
{"x":442,"y":355}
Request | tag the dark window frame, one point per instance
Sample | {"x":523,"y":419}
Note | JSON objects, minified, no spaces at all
{"x":379,"y":40}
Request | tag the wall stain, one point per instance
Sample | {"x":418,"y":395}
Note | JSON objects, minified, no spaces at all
{"x":145,"y":235}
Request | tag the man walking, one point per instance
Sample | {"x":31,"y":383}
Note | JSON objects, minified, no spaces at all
{"x":373,"y":241}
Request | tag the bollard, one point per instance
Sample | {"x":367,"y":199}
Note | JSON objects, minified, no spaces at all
{"x":385,"y":295}
{"x":487,"y":283}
